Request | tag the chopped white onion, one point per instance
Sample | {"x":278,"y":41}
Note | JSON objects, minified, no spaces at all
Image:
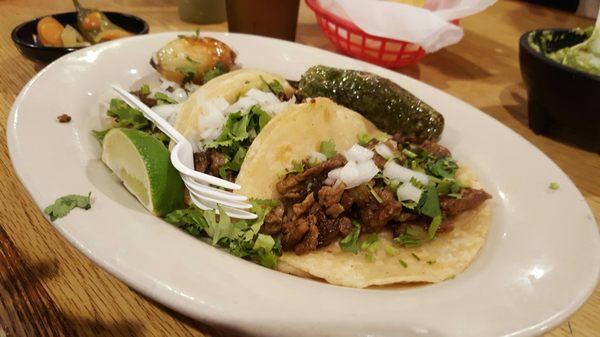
{"x":167,"y":111}
{"x":166,"y":84}
{"x":384,"y":151}
{"x":408,"y":191}
{"x":358,"y":153}
{"x":350,"y":175}
{"x":333,"y":176}
{"x":262,"y":97}
{"x":317,"y":157}
{"x":211,"y":122}
{"x":367,"y":170}
{"x":393,"y":170}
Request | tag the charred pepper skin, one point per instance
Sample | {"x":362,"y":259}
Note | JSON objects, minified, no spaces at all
{"x":390,"y":107}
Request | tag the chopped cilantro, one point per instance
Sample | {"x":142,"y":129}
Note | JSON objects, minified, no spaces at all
{"x":370,"y":243}
{"x":217,"y":70}
{"x":448,"y":186}
{"x":364,"y":139}
{"x":275,"y":87}
{"x":415,"y":256}
{"x":100,"y":134}
{"x":413,"y":236}
{"x":189,"y":72}
{"x":350,"y":242}
{"x":126,"y":116}
{"x":328,"y":148}
{"x":391,"y":250}
{"x":434,"y":226}
{"x":393,"y":185}
{"x":241,"y":238}
{"x":403,"y":263}
{"x":443,"y":168}
{"x":407,"y":240}
{"x":554,"y":186}
{"x":431,"y":261}
{"x":429,"y":204}
{"x":237,"y":134}
{"x":163,"y":98}
{"x":145,"y":90}
{"x":297,"y":167}
{"x":409,"y":204}
{"x":63,"y":205}
{"x":409,"y":153}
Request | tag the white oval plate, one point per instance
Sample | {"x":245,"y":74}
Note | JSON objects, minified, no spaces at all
{"x":541,"y":260}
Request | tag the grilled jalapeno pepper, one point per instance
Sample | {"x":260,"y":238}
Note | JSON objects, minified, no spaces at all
{"x":390,"y":107}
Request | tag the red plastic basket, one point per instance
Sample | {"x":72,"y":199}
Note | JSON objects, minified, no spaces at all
{"x":355,"y":42}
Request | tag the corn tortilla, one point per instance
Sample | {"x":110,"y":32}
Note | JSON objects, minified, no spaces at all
{"x":297,"y":132}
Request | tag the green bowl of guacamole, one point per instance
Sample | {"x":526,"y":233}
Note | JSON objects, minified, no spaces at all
{"x":563,"y":84}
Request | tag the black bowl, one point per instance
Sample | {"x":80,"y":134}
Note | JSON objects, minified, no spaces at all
{"x":22,"y":35}
{"x":563,"y":102}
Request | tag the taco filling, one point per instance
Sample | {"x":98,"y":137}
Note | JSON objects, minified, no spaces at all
{"x":354,"y":205}
{"x":390,"y":184}
{"x":223,"y":118}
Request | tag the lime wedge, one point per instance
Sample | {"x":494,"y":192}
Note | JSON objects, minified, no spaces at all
{"x":143,"y":165}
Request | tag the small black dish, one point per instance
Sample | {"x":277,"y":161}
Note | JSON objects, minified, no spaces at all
{"x":22,"y":35}
{"x":563,"y":102}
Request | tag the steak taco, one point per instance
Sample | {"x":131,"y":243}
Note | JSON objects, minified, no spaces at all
{"x":358,"y":207}
{"x":222,"y":118}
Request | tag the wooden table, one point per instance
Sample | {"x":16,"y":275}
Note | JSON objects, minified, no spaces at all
{"x":48,"y":288}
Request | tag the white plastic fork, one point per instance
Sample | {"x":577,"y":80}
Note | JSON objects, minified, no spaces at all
{"x":203,"y":195}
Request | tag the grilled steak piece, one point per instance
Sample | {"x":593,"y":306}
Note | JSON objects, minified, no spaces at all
{"x":303,"y":207}
{"x":309,"y":242}
{"x":293,"y":185}
{"x":201,"y":161}
{"x":471,"y":198}
{"x":293,"y":231}
{"x":435,"y":149}
{"x":273,"y":221}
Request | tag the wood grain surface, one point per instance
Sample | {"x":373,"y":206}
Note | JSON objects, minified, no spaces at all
{"x":48,"y":288}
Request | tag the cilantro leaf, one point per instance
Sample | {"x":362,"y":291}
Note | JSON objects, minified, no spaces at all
{"x":217,"y":70}
{"x":241,"y":238}
{"x":191,"y":220}
{"x":189,"y":72}
{"x":63,"y":205}
{"x":275,"y":87}
{"x":328,"y":148}
{"x":126,"y":116}
{"x":442,"y":168}
{"x":434,"y":226}
{"x":429,"y":204}
{"x":364,"y":139}
{"x":163,"y":98}
{"x":350,"y":242}
{"x":145,"y":90}
{"x":99,"y":135}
